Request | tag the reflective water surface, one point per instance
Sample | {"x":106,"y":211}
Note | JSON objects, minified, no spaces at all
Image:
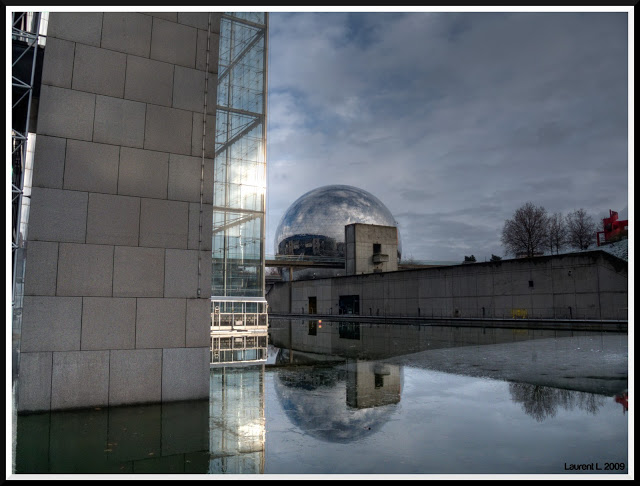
{"x":359,"y":398}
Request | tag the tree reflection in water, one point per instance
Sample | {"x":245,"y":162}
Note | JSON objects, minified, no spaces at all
{"x":542,"y":402}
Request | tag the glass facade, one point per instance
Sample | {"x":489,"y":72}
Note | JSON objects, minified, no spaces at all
{"x":239,"y":191}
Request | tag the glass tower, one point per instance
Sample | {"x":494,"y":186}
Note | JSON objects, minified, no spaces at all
{"x":239,"y":190}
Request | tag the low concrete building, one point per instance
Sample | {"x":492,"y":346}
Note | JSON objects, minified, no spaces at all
{"x":583,"y":285}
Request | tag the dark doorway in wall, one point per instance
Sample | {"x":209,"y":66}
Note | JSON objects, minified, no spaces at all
{"x":313,"y":305}
{"x":349,"y":304}
{"x":349,"y":330}
{"x":313,"y":328}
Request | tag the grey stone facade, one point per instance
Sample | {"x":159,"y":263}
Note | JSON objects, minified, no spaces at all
{"x":112,"y":313}
{"x":585,"y":285}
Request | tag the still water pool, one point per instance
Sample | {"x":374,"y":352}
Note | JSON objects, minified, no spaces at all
{"x":356,"y":398}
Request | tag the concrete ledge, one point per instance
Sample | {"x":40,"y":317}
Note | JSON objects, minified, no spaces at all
{"x":552,"y":324}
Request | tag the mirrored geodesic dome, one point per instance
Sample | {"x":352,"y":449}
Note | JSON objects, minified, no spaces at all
{"x":314,"y":224}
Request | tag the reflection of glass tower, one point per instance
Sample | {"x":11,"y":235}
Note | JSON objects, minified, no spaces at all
{"x":236,"y":420}
{"x":240,"y":174}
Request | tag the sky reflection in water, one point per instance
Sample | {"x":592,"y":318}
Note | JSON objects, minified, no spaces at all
{"x":331,"y":400}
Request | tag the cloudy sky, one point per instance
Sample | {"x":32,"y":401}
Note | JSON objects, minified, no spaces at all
{"x":453,"y":120}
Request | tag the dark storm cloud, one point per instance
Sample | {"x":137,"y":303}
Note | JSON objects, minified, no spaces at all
{"x":453,"y":120}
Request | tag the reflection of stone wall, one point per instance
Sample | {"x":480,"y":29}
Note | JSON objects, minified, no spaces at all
{"x":149,"y":439}
{"x":379,"y":341}
{"x":587,"y":285}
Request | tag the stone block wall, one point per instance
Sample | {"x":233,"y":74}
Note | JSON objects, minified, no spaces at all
{"x":587,"y":285}
{"x":111,"y":313}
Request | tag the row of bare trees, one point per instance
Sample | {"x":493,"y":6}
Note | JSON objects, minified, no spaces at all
{"x":532,"y":231}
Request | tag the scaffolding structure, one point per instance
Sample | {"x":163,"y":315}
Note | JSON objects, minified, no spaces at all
{"x":27,"y":40}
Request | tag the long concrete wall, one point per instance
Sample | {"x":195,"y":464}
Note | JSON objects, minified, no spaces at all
{"x":111,"y":312}
{"x":588,"y":285}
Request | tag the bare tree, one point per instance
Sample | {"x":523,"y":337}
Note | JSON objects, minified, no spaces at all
{"x":581,"y":229}
{"x":526,"y":233}
{"x":557,"y":233}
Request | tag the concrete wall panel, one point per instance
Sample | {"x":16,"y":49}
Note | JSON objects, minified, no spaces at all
{"x":91,"y":167}
{"x":143,"y":173}
{"x":99,"y":71}
{"x":119,"y":122}
{"x":34,"y":392}
{"x":181,"y":273}
{"x":210,"y":136}
{"x":108,"y":323}
{"x":135,"y":376}
{"x":57,"y":215}
{"x":201,"y":54}
{"x":149,"y":81}
{"x":174,"y":43}
{"x":138,"y":272}
{"x":66,"y":113}
{"x":184,"y":178}
{"x":102,"y":216}
{"x":200,"y":20}
{"x":185,"y":374}
{"x":168,"y":130}
{"x":127,"y":32}
{"x":113,"y":220}
{"x":188,"y":89}
{"x":57,"y":67}
{"x":80,"y":379}
{"x":164,"y":223}
{"x":198,"y":331}
{"x":85,"y":27}
{"x":49,"y":159}
{"x":51,"y":324}
{"x":84,"y":270}
{"x":194,"y":226}
{"x":172,"y":16}
{"x":160,"y":323}
{"x":41,"y":268}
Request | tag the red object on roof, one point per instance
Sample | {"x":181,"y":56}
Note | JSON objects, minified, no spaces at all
{"x":614,"y":229}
